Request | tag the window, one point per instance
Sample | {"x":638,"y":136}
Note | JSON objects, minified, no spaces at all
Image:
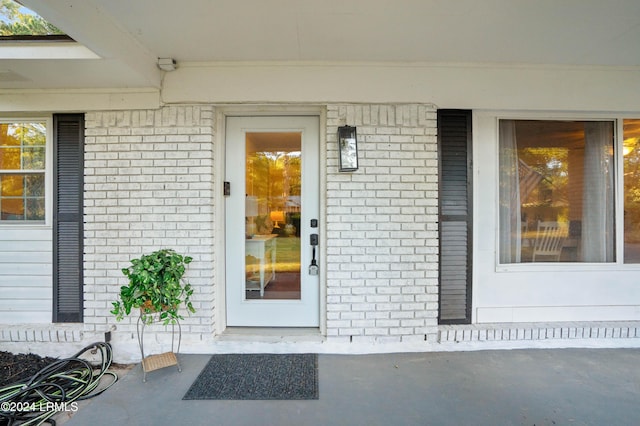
{"x":17,"y":20}
{"x":556,"y":191}
{"x":631,"y":153}
{"x":22,"y":172}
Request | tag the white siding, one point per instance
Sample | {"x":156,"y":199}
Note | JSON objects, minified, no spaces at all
{"x":25,"y":275}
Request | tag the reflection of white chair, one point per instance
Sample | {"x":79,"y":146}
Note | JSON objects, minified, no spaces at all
{"x":549,"y":239}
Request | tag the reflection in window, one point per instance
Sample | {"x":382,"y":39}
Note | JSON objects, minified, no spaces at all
{"x":556,"y":191}
{"x":631,"y":153}
{"x":272,"y":215}
{"x":22,"y":171}
{"x":17,"y":20}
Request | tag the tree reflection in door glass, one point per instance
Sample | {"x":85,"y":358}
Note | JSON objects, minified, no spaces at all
{"x":272,"y":215}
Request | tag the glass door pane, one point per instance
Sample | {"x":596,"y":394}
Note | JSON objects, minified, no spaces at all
{"x":272,"y":215}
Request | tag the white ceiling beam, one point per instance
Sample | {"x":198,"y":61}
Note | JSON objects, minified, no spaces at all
{"x":88,"y":24}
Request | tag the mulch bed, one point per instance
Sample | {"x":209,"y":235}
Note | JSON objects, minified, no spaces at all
{"x":18,"y":367}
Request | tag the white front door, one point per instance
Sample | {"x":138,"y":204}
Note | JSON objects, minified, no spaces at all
{"x":272,"y":212}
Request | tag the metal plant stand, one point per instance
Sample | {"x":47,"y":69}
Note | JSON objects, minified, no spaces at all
{"x":167,"y":359}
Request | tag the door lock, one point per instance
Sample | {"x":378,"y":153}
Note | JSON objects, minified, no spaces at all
{"x":313,"y":268}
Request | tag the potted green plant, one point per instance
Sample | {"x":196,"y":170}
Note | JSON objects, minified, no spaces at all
{"x":156,"y":287}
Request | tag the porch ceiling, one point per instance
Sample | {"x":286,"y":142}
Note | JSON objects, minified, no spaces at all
{"x":129,"y":36}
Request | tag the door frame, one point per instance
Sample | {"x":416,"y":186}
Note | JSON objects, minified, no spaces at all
{"x":219,"y":262}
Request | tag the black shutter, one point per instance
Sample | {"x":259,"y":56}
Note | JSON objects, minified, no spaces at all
{"x":454,"y":146}
{"x":68,"y":130}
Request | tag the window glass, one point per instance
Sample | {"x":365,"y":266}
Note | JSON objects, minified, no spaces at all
{"x":9,"y":158}
{"x":556,"y":191}
{"x":631,"y":154}
{"x":17,"y":20}
{"x":22,"y":171}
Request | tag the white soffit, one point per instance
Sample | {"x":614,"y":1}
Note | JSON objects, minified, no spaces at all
{"x":134,"y":34}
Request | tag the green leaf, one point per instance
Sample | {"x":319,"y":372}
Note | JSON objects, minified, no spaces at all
{"x":157,"y":277}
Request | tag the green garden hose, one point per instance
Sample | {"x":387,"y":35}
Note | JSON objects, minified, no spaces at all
{"x":57,"y":387}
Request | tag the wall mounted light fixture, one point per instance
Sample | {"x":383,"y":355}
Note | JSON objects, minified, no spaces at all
{"x":347,"y":148}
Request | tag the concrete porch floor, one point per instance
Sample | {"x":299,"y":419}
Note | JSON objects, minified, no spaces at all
{"x":507,"y":387}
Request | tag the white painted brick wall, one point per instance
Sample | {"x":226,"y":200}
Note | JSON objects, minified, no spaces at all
{"x":382,"y":226}
{"x":148,"y":185}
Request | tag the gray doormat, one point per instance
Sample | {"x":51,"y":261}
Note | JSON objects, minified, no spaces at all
{"x":257,"y":376}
